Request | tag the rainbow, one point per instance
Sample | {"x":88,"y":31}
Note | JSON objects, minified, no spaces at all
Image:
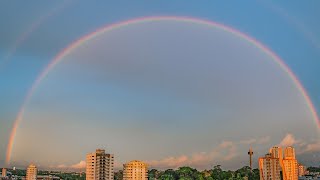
{"x":58,"y":58}
{"x":33,"y":27}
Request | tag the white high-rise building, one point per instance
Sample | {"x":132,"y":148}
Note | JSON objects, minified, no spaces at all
{"x":135,"y":170}
{"x":31,"y":172}
{"x":99,"y":165}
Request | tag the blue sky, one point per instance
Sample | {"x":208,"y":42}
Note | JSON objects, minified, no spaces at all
{"x":42,"y":29}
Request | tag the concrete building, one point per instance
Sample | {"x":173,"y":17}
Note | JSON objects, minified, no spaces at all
{"x":276,"y":152}
{"x":289,"y":164}
{"x":32,"y":172}
{"x":4,"y":172}
{"x":269,"y":167}
{"x":301,"y":170}
{"x":135,"y":170}
{"x":99,"y":165}
{"x":289,"y":153}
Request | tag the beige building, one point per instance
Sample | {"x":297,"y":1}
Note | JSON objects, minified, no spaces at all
{"x":276,"y":159}
{"x":290,"y":164}
{"x":276,"y":152}
{"x":135,"y":170}
{"x":31,"y":172}
{"x":269,"y":167}
{"x":99,"y":165}
{"x":4,"y":172}
{"x":301,"y":170}
{"x":289,"y":153}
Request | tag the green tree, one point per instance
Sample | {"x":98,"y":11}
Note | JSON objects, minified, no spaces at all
{"x":169,"y":174}
{"x":154,"y":174}
{"x":118,"y":175}
{"x":186,"y":173}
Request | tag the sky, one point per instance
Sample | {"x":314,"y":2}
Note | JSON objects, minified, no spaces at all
{"x":169,"y":92}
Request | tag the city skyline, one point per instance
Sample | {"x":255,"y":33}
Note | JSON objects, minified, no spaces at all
{"x":160,"y":80}
{"x":278,"y":151}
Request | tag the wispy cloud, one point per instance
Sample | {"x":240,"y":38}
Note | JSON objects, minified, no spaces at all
{"x":61,"y":166}
{"x":302,"y":147}
{"x":80,"y":165}
{"x":225,"y":151}
{"x":288,"y":140}
{"x":262,"y":140}
{"x":313,"y":147}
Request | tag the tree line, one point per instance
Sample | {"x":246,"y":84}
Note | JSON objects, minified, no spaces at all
{"x":188,"y":173}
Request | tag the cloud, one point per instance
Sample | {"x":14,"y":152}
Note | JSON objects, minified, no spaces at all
{"x":314,"y":147}
{"x":225,"y":151}
{"x":248,"y":141}
{"x":170,"y":162}
{"x":301,"y":146}
{"x":80,"y":165}
{"x":61,"y":166}
{"x":288,"y":140}
{"x":262,"y":140}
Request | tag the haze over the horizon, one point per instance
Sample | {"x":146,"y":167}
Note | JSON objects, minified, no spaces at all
{"x":170,"y":93}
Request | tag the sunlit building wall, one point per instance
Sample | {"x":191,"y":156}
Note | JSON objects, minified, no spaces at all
{"x":290,"y":164}
{"x":276,"y":152}
{"x":99,"y":165}
{"x":302,"y":170}
{"x":32,"y":172}
{"x":269,"y":168}
{"x":289,"y":153}
{"x":135,"y":170}
{"x":4,"y":172}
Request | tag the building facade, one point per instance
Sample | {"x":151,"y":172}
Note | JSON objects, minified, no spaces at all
{"x":4,"y":172}
{"x":99,"y":165}
{"x":135,"y":170}
{"x":289,"y":153}
{"x":32,"y":172}
{"x":276,"y":152}
{"x":301,"y":170}
{"x":290,"y":164}
{"x":269,"y":167}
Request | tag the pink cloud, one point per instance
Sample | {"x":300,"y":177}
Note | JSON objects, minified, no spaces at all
{"x":61,"y":166}
{"x":288,"y":140}
{"x":170,"y":162}
{"x":225,"y":151}
{"x":80,"y":165}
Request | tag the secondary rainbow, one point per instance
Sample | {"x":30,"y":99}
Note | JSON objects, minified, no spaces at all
{"x":115,"y":26}
{"x":31,"y":29}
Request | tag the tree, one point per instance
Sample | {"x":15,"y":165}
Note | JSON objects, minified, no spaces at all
{"x":154,"y":174}
{"x":219,"y":174}
{"x":186,"y":173}
{"x":118,"y":175}
{"x":169,"y":174}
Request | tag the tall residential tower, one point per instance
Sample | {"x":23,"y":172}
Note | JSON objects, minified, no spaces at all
{"x":32,"y":172}
{"x":290,"y":164}
{"x":99,"y":165}
{"x":269,"y":167}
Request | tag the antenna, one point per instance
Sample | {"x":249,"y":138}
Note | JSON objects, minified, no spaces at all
{"x":250,"y":153}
